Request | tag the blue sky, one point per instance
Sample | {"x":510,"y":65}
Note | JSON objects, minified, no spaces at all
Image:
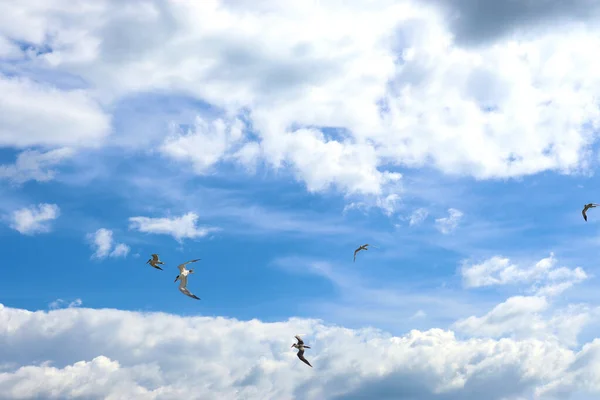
{"x":239,"y":136}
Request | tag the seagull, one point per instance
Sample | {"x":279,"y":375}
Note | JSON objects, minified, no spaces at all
{"x":587,"y":207}
{"x":300,"y":346}
{"x":183,"y":277}
{"x":363,"y":247}
{"x":154,"y":261}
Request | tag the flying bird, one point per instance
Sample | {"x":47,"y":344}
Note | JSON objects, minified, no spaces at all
{"x":587,"y":207}
{"x":183,"y":277}
{"x":154,"y":261}
{"x":300,"y":346}
{"x":363,"y":247}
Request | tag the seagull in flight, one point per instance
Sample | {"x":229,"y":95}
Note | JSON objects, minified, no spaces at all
{"x":300,"y":346}
{"x":183,"y":277}
{"x":363,"y":247}
{"x":154,"y":261}
{"x":587,"y":207}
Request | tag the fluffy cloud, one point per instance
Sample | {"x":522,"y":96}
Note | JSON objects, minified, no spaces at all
{"x":448,"y":224}
{"x":34,"y":165}
{"x":35,"y":114}
{"x":34,"y":219}
{"x":525,"y":317}
{"x":102,"y":241}
{"x":369,"y":88}
{"x":183,"y":227}
{"x":548,"y":279}
{"x":122,"y":354}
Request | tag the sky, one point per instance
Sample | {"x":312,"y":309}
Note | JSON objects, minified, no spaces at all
{"x":270,"y":139}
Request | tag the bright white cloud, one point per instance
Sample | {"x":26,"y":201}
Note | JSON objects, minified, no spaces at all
{"x":34,"y":165}
{"x":523,"y":317}
{"x":418,"y":216}
{"x":183,"y":227}
{"x":41,"y":115}
{"x":371,"y":71}
{"x":34,"y":219}
{"x":102,"y":241}
{"x":205,"y":145}
{"x":546,"y":277}
{"x":122,"y":354}
{"x":448,"y":224}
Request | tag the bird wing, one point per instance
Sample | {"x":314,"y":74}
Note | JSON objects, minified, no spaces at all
{"x":182,"y":281}
{"x":154,"y":257}
{"x":299,"y":339}
{"x":182,"y":266}
{"x":300,"y":355}
{"x":183,"y":289}
{"x":188,"y":293}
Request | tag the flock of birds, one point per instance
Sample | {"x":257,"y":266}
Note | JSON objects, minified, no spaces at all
{"x":184,"y":272}
{"x":155,"y":262}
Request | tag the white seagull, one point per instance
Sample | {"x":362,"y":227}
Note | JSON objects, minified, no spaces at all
{"x":183,"y":277}
{"x":154,"y":261}
{"x":300,"y":346}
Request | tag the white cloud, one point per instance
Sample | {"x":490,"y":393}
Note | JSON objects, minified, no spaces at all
{"x":123,"y":354}
{"x":183,"y":227}
{"x":102,"y":241}
{"x":205,"y":145}
{"x":418,"y":216}
{"x":548,"y":279}
{"x":120,"y":250}
{"x":525,"y":317}
{"x":448,"y":224}
{"x":8,"y":49}
{"x":34,"y":165}
{"x":371,"y":71}
{"x":34,"y":219}
{"x":41,"y":115}
{"x":60,"y":303}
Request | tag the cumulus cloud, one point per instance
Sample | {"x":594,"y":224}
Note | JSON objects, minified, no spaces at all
{"x":183,"y":227}
{"x":34,"y":165}
{"x":525,"y":317}
{"x":30,"y":111}
{"x":34,"y":219}
{"x":546,"y":277}
{"x":206,"y":144}
{"x":448,"y":224}
{"x":123,"y":354}
{"x":102,"y":241}
{"x":341,"y":106}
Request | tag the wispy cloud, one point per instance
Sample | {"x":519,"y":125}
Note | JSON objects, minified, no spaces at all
{"x":418,"y":216}
{"x":373,"y":301}
{"x":448,"y":224}
{"x":34,"y":219}
{"x":60,"y":303}
{"x":183,"y":227}
{"x":102,"y":241}
{"x":34,"y":165}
